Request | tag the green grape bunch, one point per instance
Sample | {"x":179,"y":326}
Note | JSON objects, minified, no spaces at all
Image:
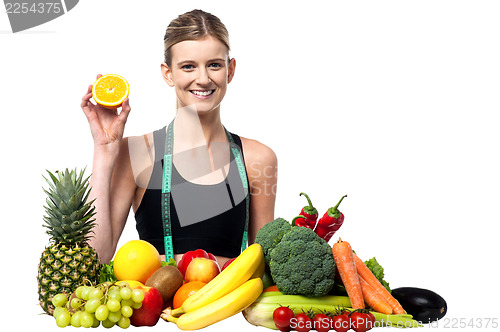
{"x":89,"y":306}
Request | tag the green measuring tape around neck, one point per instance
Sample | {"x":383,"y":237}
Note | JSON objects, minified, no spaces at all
{"x":167,"y":182}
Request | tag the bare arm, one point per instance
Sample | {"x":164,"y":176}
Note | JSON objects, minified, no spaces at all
{"x":113,"y":186}
{"x":111,"y":183}
{"x":262,"y":167}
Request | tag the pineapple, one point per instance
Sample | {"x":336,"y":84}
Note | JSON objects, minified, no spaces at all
{"x":68,"y":261}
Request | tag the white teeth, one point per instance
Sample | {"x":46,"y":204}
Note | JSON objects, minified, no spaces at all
{"x":202,"y":93}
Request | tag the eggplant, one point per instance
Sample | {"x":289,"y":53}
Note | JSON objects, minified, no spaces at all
{"x":424,"y":305}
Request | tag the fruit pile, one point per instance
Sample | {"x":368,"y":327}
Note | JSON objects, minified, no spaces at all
{"x":227,"y":293}
{"x":289,"y":279}
{"x":88,"y":306}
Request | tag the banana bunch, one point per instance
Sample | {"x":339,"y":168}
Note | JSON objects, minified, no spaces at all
{"x":229,"y":293}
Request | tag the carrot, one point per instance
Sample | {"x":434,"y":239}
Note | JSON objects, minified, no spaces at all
{"x":365,"y":273}
{"x":343,"y":256}
{"x":373,"y":299}
{"x":272,"y":288}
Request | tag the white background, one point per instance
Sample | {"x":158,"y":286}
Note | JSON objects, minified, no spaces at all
{"x":392,"y":102}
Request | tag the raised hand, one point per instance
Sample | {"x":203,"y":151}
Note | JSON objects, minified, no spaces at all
{"x":106,"y":125}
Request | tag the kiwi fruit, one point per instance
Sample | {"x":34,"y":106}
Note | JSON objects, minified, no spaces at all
{"x":167,"y":279}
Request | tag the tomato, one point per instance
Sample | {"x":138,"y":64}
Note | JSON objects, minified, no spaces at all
{"x":321,"y":323}
{"x":361,"y":322}
{"x":282,"y":317}
{"x":341,"y":323}
{"x":302,"y":323}
{"x":372,"y":318}
{"x":189,"y":256}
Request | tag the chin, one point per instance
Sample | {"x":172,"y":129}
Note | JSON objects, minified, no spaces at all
{"x":204,"y":108}
{"x":207,"y":110}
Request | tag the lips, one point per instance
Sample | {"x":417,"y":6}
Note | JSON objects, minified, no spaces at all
{"x":202,"y":93}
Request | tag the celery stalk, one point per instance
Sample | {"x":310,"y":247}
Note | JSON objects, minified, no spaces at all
{"x":260,"y":313}
{"x":328,"y":300}
{"x":402,"y":321}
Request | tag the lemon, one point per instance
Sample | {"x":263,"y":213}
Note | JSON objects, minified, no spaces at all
{"x":136,"y":260}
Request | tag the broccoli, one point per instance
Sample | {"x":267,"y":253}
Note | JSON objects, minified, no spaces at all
{"x":270,"y":235}
{"x":302,"y":263}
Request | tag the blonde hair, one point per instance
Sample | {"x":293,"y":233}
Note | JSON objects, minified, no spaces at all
{"x":193,"y":25}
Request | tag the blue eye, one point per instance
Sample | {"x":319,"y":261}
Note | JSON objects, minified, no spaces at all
{"x":215,"y":65}
{"x":187,"y":67}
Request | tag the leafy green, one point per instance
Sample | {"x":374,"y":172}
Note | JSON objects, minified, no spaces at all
{"x":378,"y":272}
{"x":107,"y":273}
{"x":170,"y":262}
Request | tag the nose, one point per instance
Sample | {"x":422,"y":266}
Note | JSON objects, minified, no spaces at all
{"x":203,"y":76}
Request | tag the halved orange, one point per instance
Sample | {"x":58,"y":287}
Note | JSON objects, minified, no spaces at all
{"x":110,"y":91}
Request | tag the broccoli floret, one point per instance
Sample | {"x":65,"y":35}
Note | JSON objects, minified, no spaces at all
{"x":270,"y":235}
{"x":302,"y":263}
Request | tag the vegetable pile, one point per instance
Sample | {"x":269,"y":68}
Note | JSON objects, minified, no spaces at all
{"x":314,"y":286}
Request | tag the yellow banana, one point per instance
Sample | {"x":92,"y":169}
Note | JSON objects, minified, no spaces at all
{"x":227,"y":306}
{"x":233,"y":276}
{"x":259,"y":272}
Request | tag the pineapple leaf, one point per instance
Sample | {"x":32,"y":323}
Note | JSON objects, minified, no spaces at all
{"x":79,"y":181}
{"x":78,"y":197}
{"x":62,"y":191}
{"x":52,"y":176}
{"x":52,"y":187}
{"x":65,"y":209}
{"x":51,"y":222}
{"x":68,"y":217}
{"x":74,"y":202}
{"x":52,"y":208}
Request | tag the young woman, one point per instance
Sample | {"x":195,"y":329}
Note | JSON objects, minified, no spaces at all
{"x":192,"y":184}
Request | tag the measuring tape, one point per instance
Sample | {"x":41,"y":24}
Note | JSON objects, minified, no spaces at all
{"x":167,"y":182}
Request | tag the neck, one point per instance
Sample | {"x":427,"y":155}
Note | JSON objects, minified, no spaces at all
{"x":197,"y":129}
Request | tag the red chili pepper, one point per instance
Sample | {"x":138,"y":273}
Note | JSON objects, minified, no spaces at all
{"x":301,"y":221}
{"x":189,"y":256}
{"x":309,"y":212}
{"x":330,"y":222}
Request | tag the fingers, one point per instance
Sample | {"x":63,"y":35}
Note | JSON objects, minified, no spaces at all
{"x":125,"y":110}
{"x":88,"y":95}
{"x":121,"y":119}
{"x":86,"y":101}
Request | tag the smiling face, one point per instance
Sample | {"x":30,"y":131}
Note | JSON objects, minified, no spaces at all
{"x":200,"y":71}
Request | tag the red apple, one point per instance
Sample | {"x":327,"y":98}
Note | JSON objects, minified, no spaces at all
{"x":152,"y":305}
{"x":189,"y":256}
{"x":201,"y":269}
{"x":227,"y":263}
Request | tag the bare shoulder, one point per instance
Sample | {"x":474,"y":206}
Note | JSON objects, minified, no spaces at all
{"x":262,"y":169}
{"x":257,"y":154}
{"x":138,"y":153}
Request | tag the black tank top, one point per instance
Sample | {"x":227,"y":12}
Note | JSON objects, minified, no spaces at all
{"x":219,"y":232}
